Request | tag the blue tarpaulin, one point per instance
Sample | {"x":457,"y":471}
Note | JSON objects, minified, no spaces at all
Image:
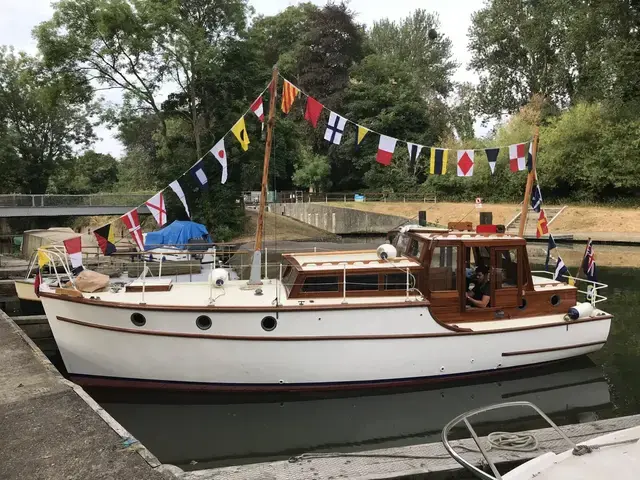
{"x":178,"y":233}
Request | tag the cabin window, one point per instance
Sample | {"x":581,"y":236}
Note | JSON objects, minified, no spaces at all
{"x":362,"y":282}
{"x":321,"y":284}
{"x":443,"y":269}
{"x":506,"y":272}
{"x":401,"y":241}
{"x":415,"y":248}
{"x":398,"y":281}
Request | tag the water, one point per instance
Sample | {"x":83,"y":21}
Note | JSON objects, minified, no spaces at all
{"x":196,"y":431}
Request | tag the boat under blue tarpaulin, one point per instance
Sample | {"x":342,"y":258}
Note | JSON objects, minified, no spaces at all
{"x":177,"y":234}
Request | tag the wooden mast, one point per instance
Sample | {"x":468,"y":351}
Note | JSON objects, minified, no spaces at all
{"x":256,"y":262}
{"x":530,"y":178}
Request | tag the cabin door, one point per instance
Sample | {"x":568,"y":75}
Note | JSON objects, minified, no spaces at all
{"x":506,"y":277}
{"x":443,"y":282}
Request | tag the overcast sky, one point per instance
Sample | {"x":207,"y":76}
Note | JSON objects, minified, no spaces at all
{"x":18,"y":17}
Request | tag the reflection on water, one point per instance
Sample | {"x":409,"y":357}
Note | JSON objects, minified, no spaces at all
{"x":207,"y":430}
{"x":216,"y":430}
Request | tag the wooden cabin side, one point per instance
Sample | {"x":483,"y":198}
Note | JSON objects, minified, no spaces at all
{"x":513,"y":294}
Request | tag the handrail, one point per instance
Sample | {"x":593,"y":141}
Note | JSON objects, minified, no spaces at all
{"x":52,"y":252}
{"x":592,"y":294}
{"x":464,"y":418}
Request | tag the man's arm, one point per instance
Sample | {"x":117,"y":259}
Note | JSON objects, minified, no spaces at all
{"x":479,"y":303}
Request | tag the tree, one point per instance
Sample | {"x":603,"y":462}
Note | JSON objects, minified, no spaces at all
{"x":90,"y":172}
{"x":109,"y":41}
{"x":328,"y":50}
{"x":46,"y":114}
{"x":567,"y":52}
{"x":192,"y":36}
{"x":312,"y":171}
{"x":412,"y":41}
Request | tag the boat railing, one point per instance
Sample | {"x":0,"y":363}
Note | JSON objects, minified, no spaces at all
{"x":57,"y":255}
{"x":465,"y":417}
{"x":592,"y":293}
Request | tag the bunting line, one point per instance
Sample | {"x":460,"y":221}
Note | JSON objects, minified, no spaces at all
{"x":406,"y":142}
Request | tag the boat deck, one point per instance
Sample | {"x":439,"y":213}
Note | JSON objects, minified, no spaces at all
{"x":234,"y":294}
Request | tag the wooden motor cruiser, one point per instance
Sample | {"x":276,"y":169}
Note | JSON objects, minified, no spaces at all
{"x":390,"y":316}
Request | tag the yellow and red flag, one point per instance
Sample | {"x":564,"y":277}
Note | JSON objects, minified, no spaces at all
{"x":289,"y":94}
{"x":543,"y":226}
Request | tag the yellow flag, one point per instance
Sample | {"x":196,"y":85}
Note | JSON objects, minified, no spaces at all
{"x":362,"y":131}
{"x":240,"y":131}
{"x":43,"y":259}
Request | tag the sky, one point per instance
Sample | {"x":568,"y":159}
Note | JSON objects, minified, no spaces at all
{"x":18,"y":17}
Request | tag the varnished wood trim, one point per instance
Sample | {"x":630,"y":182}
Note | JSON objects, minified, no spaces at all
{"x":552,"y":349}
{"x":323,"y":253}
{"x":213,"y":308}
{"x":250,"y":338}
{"x":148,"y":288}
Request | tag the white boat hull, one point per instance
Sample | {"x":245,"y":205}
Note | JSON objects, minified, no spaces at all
{"x":308,"y":348}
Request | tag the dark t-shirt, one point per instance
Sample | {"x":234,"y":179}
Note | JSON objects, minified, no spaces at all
{"x":479,"y":291}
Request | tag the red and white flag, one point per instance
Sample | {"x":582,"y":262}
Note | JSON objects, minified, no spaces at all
{"x":220,"y":153}
{"x":465,"y":163}
{"x":132,"y":222}
{"x":156,"y":206}
{"x":386,"y":147}
{"x":518,"y":157}
{"x":73,"y":246}
{"x":257,"y":107}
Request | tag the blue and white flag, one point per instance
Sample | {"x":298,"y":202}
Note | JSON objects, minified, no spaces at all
{"x":562,"y":272}
{"x":197,"y":172}
{"x":536,"y":199}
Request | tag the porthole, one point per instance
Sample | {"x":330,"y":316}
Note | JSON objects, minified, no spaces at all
{"x":523,"y":304}
{"x":203,"y":322}
{"x":268,"y":323}
{"x":138,"y":319}
{"x":555,"y":300}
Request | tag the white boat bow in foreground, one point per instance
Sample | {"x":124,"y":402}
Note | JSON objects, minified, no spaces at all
{"x":615,"y":455}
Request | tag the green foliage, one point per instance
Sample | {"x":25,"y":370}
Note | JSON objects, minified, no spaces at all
{"x":408,"y":41}
{"x":45,"y":114}
{"x":565,"y":51}
{"x":586,"y":155}
{"x":312,"y":171}
{"x":90,"y":172}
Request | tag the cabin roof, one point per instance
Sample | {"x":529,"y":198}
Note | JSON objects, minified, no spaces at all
{"x":359,"y":260}
{"x":472,"y":237}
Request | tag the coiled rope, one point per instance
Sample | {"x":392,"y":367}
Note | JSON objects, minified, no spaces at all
{"x":516,"y":442}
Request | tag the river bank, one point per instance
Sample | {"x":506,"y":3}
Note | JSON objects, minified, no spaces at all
{"x":579,"y":220}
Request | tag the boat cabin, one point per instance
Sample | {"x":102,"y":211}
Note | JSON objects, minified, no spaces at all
{"x":438,"y":265}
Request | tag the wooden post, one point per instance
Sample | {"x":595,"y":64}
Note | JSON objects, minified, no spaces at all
{"x":530,"y":179}
{"x":254,"y":278}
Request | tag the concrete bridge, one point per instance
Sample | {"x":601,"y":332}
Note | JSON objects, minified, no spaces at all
{"x":22,"y":205}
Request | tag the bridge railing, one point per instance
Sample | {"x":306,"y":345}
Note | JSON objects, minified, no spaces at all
{"x":306,"y":197}
{"x":94,"y":200}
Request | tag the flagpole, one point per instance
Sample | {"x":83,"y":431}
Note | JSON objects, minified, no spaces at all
{"x":530,"y":178}
{"x":254,"y":278}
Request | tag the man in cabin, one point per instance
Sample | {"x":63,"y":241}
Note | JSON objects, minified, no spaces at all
{"x":479,"y":296}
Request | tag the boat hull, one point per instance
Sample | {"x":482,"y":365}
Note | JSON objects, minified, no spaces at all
{"x":316,"y":349}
